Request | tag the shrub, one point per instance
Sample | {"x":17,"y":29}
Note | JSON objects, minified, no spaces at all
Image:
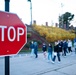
{"x":28,"y":35}
{"x":51,"y":34}
{"x":28,"y":43}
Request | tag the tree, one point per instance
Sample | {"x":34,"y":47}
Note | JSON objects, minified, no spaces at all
{"x":65,"y":19}
{"x":29,"y":0}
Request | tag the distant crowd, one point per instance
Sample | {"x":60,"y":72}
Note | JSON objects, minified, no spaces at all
{"x":60,"y":48}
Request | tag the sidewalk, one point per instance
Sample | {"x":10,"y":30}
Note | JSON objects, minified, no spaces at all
{"x":23,"y":64}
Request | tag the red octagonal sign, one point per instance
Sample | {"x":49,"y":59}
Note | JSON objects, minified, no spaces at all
{"x":12,"y":34}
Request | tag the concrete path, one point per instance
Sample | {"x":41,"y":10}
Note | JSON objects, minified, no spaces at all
{"x":23,"y":64}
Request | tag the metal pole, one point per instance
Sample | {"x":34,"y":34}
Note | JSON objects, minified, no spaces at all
{"x":31,"y":12}
{"x":7,"y":65}
{"x":7,"y":5}
{"x":62,"y":15}
{"x":7,"y":62}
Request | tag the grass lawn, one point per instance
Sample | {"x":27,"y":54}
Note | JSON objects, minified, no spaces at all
{"x":28,"y":51}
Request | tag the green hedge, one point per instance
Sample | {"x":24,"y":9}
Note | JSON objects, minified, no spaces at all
{"x":28,"y":35}
{"x":28,"y":43}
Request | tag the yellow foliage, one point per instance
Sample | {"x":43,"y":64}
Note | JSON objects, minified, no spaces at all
{"x":52,"y":34}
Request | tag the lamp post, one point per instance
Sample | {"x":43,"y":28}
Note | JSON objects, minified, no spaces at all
{"x":62,"y":15}
{"x":30,"y":11}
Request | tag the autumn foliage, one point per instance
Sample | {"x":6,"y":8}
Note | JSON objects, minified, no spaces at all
{"x":52,"y":34}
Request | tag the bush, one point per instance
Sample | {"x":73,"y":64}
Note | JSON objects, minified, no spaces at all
{"x":51,"y":34}
{"x":28,"y":43}
{"x":38,"y":41}
{"x":28,"y":35}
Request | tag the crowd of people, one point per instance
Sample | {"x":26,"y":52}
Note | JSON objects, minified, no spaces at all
{"x":51,"y":52}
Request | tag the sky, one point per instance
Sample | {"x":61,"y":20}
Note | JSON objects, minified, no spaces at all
{"x":42,"y":10}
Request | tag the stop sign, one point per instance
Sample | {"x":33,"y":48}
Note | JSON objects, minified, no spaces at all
{"x":12,"y":34}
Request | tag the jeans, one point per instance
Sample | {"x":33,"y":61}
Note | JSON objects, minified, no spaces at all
{"x":65,"y":50}
{"x":49,"y":55}
{"x":75,"y":50}
{"x":36,"y":55}
{"x":32,"y":52}
{"x":69,"y":49}
{"x":58,"y":55}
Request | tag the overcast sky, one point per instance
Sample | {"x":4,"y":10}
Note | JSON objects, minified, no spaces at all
{"x":42,"y":10}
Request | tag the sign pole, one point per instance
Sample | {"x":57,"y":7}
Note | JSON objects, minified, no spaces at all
{"x":7,"y":65}
{"x":7,"y":62}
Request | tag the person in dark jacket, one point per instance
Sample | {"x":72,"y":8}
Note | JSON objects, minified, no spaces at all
{"x":44,"y":49}
{"x":36,"y":49}
{"x":56,"y":52}
{"x":60,"y":45}
{"x":49,"y":52}
{"x":65,"y":46}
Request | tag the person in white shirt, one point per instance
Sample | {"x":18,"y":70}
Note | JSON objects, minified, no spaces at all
{"x":69,"y":46}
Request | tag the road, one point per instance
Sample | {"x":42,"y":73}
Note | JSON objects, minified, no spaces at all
{"x":23,"y":64}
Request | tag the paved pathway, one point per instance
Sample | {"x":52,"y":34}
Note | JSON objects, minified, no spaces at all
{"x":23,"y":64}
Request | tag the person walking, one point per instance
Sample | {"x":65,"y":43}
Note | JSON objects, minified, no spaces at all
{"x":60,"y":46}
{"x":49,"y":52}
{"x":56,"y":52}
{"x":44,"y":49}
{"x":32,"y":48}
{"x":36,"y":49}
{"x":69,"y":46}
{"x":65,"y":46}
{"x":75,"y":46}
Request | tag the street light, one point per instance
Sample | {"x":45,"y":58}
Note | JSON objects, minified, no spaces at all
{"x":30,"y":11}
{"x":62,"y":15}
